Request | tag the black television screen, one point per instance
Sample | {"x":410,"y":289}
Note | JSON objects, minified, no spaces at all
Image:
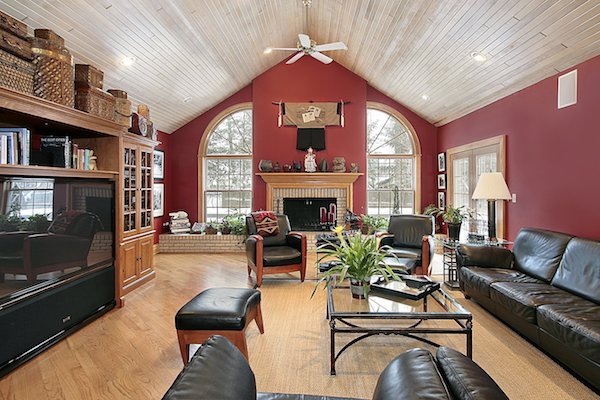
{"x":51,"y":228}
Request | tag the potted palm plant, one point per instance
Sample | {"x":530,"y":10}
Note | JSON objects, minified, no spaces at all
{"x":359,"y":259}
{"x":452,"y":216}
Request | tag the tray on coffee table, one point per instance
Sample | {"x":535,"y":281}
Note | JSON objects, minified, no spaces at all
{"x":410,"y":286}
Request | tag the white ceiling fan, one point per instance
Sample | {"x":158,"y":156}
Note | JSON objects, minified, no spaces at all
{"x":311,"y":48}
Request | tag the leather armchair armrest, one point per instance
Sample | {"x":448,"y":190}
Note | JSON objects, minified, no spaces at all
{"x":427,"y":248}
{"x":11,"y":241}
{"x":483,"y":256}
{"x":386,"y":240}
{"x":296,"y":240}
{"x":254,"y":245}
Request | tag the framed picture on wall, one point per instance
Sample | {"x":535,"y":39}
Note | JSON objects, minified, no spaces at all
{"x":158,"y":199}
{"x":442,"y":200}
{"x":159,"y":164}
{"x":441,"y":181}
{"x":442,"y":162}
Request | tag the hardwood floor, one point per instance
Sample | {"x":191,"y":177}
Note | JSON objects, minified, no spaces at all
{"x":132,"y":353}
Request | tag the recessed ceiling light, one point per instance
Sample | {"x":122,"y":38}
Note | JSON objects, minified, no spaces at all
{"x":128,"y":61}
{"x":424,"y":97}
{"x":268,"y":50}
{"x":479,"y":57}
{"x":187,"y":99}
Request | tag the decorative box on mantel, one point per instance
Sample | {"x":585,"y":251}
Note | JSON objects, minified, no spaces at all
{"x":337,"y":185}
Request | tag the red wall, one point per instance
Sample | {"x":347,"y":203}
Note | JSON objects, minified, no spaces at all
{"x":163,"y":138}
{"x":302,"y":81}
{"x":552,"y":155}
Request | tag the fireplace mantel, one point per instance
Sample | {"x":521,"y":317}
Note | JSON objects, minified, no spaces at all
{"x":310,"y":180}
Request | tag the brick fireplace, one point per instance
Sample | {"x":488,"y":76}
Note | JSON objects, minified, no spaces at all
{"x":302,"y":185}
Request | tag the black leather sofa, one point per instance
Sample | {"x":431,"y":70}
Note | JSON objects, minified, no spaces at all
{"x":218,"y":370}
{"x":547,"y":289}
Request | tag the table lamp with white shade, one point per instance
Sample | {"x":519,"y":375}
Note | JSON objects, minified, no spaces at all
{"x":491,"y":186}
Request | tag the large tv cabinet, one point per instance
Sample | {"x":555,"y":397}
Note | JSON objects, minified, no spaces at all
{"x":111,"y":143}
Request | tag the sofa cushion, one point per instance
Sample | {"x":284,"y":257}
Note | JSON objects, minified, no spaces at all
{"x":278,"y":240}
{"x":538,"y":252}
{"x":281,"y":255}
{"x":411,"y":375}
{"x":465,"y":379}
{"x":522,"y":299}
{"x":579,"y":270}
{"x":218,"y":370}
{"x":577,"y":325}
{"x":479,"y":279}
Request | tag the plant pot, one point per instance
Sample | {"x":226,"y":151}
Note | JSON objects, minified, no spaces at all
{"x":359,"y":289}
{"x":210,"y":230}
{"x":365,"y":229}
{"x":226,"y":230}
{"x":453,"y":230}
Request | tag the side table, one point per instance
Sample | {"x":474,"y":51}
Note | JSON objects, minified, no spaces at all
{"x":450,"y":272}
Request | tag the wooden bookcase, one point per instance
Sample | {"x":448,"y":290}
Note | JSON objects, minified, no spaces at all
{"x":110,"y":142}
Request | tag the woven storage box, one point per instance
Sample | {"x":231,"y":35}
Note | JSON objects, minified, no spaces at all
{"x":54,"y":72}
{"x":119,"y":94}
{"x":15,"y":73}
{"x":88,"y":74}
{"x":15,"y":45}
{"x":122,"y":111}
{"x":94,"y":101}
{"x":13,"y":25}
{"x":50,"y":36}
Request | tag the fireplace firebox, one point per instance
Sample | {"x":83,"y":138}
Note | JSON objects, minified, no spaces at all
{"x":311,"y":214}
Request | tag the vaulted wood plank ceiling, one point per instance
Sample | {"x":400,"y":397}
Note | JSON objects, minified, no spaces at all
{"x":208,"y":50}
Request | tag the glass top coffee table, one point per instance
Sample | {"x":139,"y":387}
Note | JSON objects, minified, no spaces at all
{"x":390,"y":314}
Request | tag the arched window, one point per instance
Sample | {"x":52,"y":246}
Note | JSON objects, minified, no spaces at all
{"x":227,"y":165}
{"x":393,"y":163}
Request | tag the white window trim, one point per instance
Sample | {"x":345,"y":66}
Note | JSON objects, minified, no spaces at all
{"x":416,"y":148}
{"x":202,"y":148}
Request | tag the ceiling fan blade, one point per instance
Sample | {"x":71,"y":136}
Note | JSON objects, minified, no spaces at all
{"x":321,"y":57}
{"x":283,"y":48}
{"x":304,"y":40}
{"x":295,"y":58}
{"x":331,"y":46}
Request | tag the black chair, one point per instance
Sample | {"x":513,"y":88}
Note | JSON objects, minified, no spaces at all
{"x":285,"y":252}
{"x":65,"y":245}
{"x":411,"y":237}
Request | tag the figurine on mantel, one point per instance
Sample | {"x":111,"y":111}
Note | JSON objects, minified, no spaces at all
{"x":310,"y":164}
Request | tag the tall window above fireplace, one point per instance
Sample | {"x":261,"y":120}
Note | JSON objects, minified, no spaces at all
{"x":393,"y":163}
{"x":226,"y":164}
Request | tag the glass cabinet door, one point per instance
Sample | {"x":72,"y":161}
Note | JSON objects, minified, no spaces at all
{"x":145,"y":189}
{"x":130,"y":186}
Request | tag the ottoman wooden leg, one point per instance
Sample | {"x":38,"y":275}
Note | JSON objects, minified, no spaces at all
{"x":259,"y":320}
{"x":184,"y":347}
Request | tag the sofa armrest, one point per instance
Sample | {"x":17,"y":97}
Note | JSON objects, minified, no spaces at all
{"x":410,"y":376}
{"x":218,"y":370}
{"x":46,"y":249}
{"x":296,"y":240}
{"x":483,"y":256}
{"x":465,"y":379}
{"x":254,"y":246}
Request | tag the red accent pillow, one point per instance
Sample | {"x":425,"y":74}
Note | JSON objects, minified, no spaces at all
{"x":266,"y":223}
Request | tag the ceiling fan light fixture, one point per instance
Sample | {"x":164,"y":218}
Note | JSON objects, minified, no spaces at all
{"x":268,"y":50}
{"x":479,"y":57}
{"x":187,"y":99}
{"x":425,"y":97}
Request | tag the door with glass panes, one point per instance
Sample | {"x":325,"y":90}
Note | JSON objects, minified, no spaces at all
{"x":137,"y":190}
{"x":465,"y":165}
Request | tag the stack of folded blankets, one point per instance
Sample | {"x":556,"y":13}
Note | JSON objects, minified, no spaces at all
{"x":179,"y":222}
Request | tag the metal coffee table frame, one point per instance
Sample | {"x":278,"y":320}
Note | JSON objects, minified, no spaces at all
{"x":463,"y":319}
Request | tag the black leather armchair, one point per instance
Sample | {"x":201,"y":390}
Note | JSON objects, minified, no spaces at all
{"x":219,"y":370}
{"x":411,"y":236}
{"x":65,"y":245}
{"x":285,"y":252}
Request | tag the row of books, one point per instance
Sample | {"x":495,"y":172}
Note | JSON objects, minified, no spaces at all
{"x":14,"y":146}
{"x":59,"y":151}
